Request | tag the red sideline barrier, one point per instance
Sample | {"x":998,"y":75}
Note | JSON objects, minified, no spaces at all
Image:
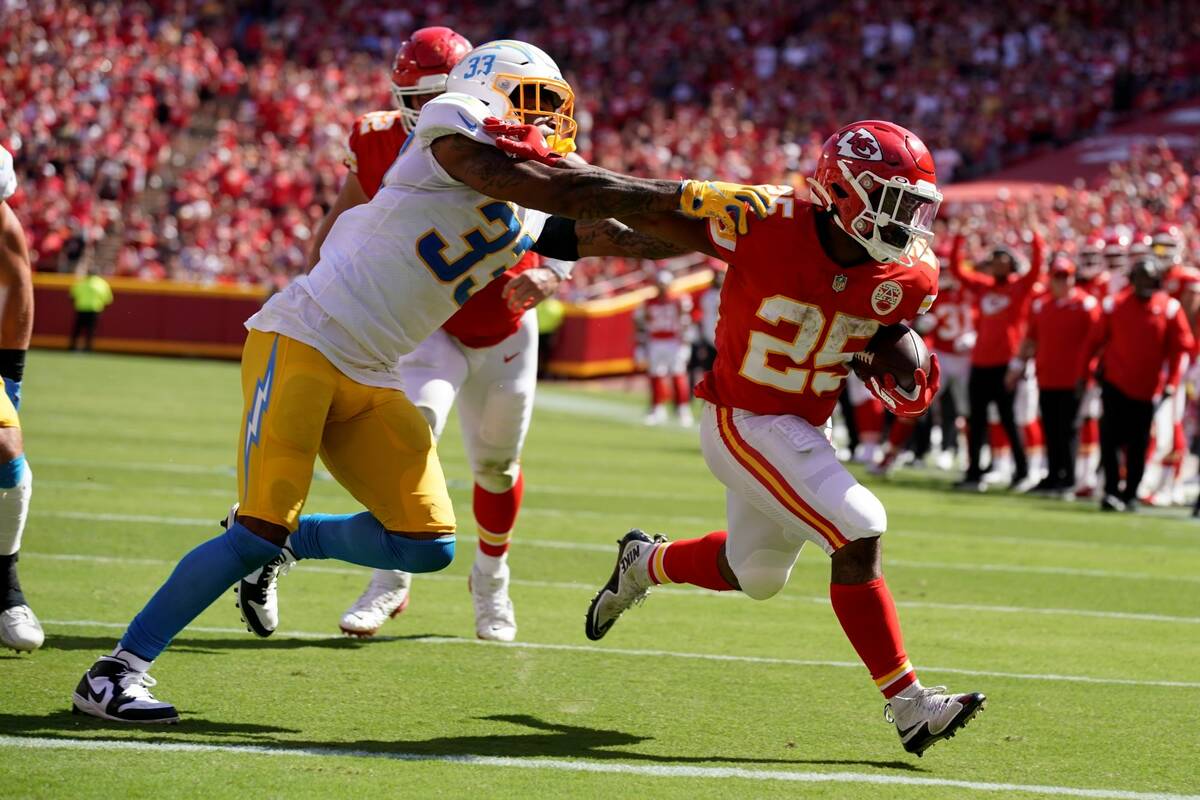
{"x":597,"y":337}
{"x":169,"y":318}
{"x":150,"y":317}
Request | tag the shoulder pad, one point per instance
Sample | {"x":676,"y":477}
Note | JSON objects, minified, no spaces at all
{"x":1173,"y":306}
{"x":452,"y":113}
{"x":1109,"y":305}
{"x":1089,"y":302}
{"x":8,"y":175}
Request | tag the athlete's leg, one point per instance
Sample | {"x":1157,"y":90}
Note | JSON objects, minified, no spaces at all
{"x":432,"y":376}
{"x":381,"y":449}
{"x":19,"y":628}
{"x":496,"y":407}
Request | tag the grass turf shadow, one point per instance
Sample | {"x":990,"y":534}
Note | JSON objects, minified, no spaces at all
{"x":549,"y":740}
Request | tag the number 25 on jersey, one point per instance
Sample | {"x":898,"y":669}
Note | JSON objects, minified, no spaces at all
{"x":827,"y":369}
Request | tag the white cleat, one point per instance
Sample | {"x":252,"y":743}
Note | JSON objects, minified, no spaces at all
{"x":929,"y":715}
{"x":657,"y":417}
{"x":386,"y":596}
{"x":20,"y":629}
{"x":495,"y":620}
{"x":686,"y":420}
{"x":628,"y":586}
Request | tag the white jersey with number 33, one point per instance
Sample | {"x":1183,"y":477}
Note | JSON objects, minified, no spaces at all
{"x":396,"y":268}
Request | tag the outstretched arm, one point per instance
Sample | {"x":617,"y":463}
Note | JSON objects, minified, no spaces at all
{"x":689,"y":235}
{"x":608,"y":237}
{"x":582,"y":192}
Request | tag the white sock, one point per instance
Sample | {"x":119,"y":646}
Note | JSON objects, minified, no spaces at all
{"x":14,"y":508}
{"x":490,"y":565}
{"x":910,"y":692}
{"x":135,"y":662}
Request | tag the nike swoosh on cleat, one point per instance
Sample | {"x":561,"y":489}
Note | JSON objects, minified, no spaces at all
{"x":470,"y":125}
{"x":96,"y":697}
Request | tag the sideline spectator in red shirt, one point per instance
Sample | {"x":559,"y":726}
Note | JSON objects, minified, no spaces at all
{"x":1142,"y":337}
{"x":1059,"y":326}
{"x":1002,"y":295}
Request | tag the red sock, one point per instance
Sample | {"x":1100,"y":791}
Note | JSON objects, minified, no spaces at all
{"x":683,"y":392}
{"x":868,"y":617}
{"x":869,"y":417}
{"x":496,"y":516}
{"x":997,"y":438}
{"x":660,"y":390}
{"x":1034,"y":438}
{"x":899,"y":433}
{"x":691,"y":561}
{"x":1089,"y":432}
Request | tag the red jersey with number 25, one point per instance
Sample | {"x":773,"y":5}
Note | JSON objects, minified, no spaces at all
{"x":485,"y":319}
{"x":790,"y":317}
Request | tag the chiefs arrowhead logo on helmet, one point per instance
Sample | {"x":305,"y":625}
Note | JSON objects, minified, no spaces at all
{"x":860,"y":143}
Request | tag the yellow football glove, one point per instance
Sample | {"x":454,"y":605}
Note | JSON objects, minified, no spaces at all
{"x":726,"y":202}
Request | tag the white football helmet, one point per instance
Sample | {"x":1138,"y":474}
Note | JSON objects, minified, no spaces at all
{"x":518,"y":81}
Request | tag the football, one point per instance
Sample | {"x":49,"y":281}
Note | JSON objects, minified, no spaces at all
{"x":897,"y":349}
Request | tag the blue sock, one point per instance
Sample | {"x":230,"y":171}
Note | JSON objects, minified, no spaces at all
{"x":12,"y":472}
{"x":362,"y":539}
{"x":199,"y":579}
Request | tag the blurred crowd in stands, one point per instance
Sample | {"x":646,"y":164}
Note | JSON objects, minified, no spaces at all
{"x":202,"y":140}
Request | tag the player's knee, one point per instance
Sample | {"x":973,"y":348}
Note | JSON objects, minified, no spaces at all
{"x":760,"y":575}
{"x":497,"y":475}
{"x":422,"y":555}
{"x":862,"y":513}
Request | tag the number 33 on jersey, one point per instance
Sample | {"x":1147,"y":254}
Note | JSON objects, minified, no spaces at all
{"x":790,"y":318}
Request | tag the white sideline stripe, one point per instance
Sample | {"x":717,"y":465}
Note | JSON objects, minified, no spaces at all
{"x":637,"y":653}
{"x":565,"y":765}
{"x":693,"y":592}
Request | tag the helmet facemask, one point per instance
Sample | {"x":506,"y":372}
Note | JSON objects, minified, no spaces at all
{"x":896,"y":223}
{"x":406,"y":98}
{"x":546,"y":102}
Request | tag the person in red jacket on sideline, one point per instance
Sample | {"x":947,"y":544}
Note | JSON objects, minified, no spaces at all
{"x":1059,"y":325}
{"x":1142,"y":337}
{"x":1002,"y":295}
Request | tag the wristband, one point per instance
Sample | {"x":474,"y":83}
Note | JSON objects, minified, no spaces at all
{"x":12,"y":365}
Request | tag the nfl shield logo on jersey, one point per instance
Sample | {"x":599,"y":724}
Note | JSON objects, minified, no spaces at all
{"x":839,"y":282}
{"x":887,"y":297}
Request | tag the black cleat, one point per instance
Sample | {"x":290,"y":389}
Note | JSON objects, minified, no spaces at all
{"x":115,"y":691}
{"x":628,"y":586}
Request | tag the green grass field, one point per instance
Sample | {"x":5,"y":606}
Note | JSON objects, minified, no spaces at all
{"x":1082,"y":628}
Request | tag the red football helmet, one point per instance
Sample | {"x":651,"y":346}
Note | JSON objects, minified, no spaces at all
{"x":1167,"y":244}
{"x":879,"y":181}
{"x":421,"y":66}
{"x":1116,"y":250}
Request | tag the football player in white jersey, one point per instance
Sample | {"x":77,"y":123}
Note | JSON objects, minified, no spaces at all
{"x":484,"y":358}
{"x":19,"y":628}
{"x":319,"y":368}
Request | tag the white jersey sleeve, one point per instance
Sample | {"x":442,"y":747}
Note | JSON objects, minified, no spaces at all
{"x":452,"y":113}
{"x":8,"y":175}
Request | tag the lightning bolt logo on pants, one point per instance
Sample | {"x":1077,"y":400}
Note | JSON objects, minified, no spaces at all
{"x":258,"y":410}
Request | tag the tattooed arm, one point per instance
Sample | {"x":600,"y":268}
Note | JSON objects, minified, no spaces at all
{"x":676,"y":231}
{"x":608,"y":237}
{"x":579,"y":192}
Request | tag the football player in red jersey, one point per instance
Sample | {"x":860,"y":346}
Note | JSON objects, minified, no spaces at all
{"x":1168,"y":448}
{"x":664,"y":328}
{"x":806,"y":288}
{"x":485,"y":357}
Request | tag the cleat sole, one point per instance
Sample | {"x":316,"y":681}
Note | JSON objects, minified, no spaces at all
{"x":954,"y":727}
